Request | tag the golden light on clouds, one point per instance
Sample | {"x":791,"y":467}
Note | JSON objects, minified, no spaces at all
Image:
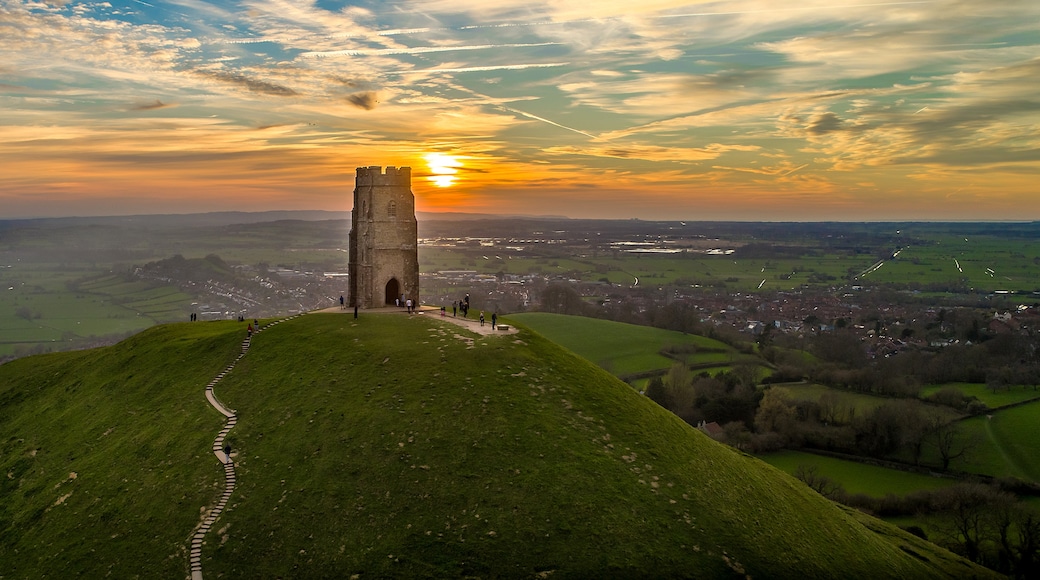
{"x":519,"y":107}
{"x":442,"y":168}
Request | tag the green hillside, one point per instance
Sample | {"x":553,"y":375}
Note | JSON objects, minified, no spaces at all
{"x":396,"y":446}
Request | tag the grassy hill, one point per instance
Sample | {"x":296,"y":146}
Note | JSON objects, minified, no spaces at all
{"x":396,"y":446}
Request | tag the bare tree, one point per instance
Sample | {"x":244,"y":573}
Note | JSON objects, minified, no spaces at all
{"x":948,"y":440}
{"x":821,"y":484}
{"x":965,"y":517}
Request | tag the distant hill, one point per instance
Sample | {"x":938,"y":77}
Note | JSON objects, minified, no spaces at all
{"x":242,"y":217}
{"x":396,"y":446}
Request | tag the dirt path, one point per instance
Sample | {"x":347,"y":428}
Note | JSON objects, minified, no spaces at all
{"x":195,"y":551}
{"x":471,"y":324}
{"x":1020,"y":472}
{"x":197,"y":540}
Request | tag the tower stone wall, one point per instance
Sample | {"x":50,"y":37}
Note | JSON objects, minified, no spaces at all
{"x":384,"y":259}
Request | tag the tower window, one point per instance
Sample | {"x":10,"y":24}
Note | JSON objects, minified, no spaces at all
{"x":391,"y":209}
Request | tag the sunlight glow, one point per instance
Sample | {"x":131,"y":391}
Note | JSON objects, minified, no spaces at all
{"x":443,"y":168}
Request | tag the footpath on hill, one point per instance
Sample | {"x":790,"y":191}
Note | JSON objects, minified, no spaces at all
{"x":471,"y":324}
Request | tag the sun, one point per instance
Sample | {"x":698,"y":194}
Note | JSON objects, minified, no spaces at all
{"x":442,"y":168}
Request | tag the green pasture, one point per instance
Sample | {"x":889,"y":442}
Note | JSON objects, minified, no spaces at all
{"x":855,"y":477}
{"x":619,"y":347}
{"x":861,"y":403}
{"x":1007,"y":443}
{"x":39,"y":307}
{"x":985,"y":263}
{"x":618,"y":267}
{"x":992,"y":399}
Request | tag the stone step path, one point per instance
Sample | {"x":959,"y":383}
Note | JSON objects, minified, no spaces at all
{"x":195,"y":551}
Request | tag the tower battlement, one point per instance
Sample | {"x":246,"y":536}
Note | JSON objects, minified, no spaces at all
{"x":383,"y":254}
{"x":374,"y":175}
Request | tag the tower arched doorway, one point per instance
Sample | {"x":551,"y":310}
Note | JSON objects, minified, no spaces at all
{"x":393,"y":291}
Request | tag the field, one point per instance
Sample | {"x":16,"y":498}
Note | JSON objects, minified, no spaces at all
{"x":39,"y":310}
{"x":976,"y":261}
{"x":859,"y":402}
{"x":1005,"y":443}
{"x":992,"y":399}
{"x":623,"y":348}
{"x":693,"y":269}
{"x":857,"y":477}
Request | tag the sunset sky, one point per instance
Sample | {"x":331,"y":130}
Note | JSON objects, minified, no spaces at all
{"x":654,"y":109}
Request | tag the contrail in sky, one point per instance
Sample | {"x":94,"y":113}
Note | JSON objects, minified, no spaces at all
{"x":420,"y":49}
{"x":495,"y":102}
{"x":544,"y":120}
{"x":485,"y":68}
{"x":795,"y":169}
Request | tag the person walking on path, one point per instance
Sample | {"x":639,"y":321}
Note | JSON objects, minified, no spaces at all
{"x":454,"y":309}
{"x":482,"y":318}
{"x":227,"y":453}
{"x":355,"y":312}
{"x":341,"y":302}
{"x":494,"y":320}
{"x":249,"y":330}
{"x":408,"y":303}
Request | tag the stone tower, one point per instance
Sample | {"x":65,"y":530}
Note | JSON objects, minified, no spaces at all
{"x":384,"y":258}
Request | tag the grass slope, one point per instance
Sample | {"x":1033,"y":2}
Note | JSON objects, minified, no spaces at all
{"x":105,"y":454}
{"x":397,"y":446}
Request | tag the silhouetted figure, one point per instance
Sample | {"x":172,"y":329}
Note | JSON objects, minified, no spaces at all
{"x":227,"y":453}
{"x":494,"y":320}
{"x":355,"y":312}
